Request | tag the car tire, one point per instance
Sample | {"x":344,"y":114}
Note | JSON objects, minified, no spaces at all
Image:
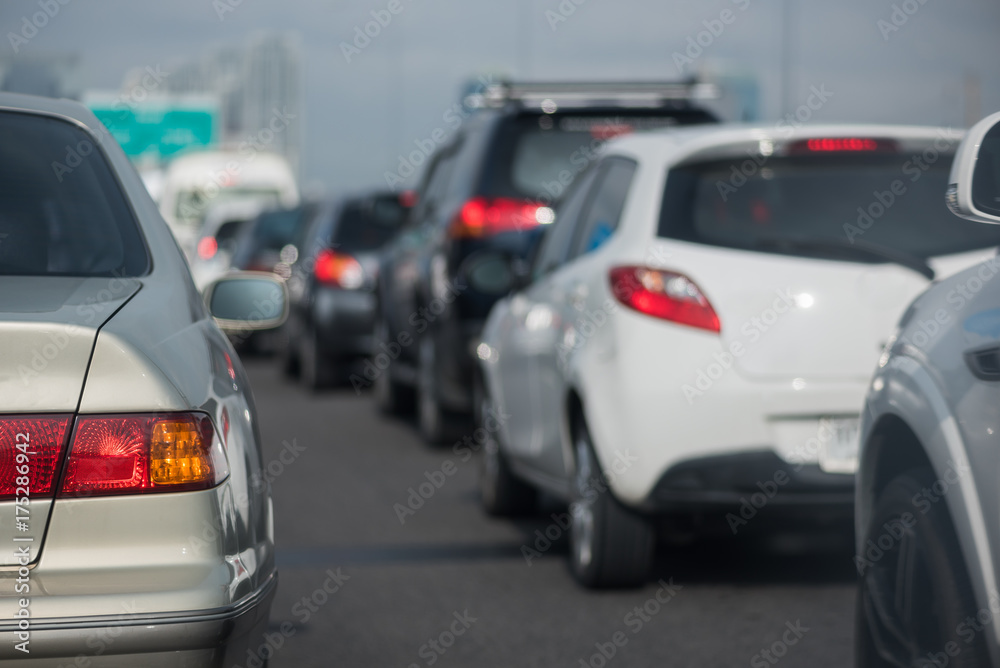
{"x":313,"y":362}
{"x":502,"y":494}
{"x":914,"y":592}
{"x":610,"y":545}
{"x":289,"y":352}
{"x":391,"y":398}
{"x":435,"y":424}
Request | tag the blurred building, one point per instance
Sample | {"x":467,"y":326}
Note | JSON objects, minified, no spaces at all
{"x":255,"y":83}
{"x":53,"y":75}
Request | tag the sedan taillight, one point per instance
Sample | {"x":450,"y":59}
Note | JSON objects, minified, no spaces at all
{"x":339,"y":270}
{"x":31,"y":449}
{"x":664,"y":294}
{"x":130,"y":454}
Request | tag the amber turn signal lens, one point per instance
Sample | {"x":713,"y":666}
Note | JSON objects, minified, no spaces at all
{"x":177,"y":454}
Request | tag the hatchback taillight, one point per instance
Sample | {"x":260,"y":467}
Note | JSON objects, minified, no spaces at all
{"x":338,"y":269}
{"x":129,"y":454}
{"x":664,"y":294}
{"x":31,"y":450}
{"x":483,"y":217}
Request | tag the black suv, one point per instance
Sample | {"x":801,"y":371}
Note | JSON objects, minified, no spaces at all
{"x":490,"y":187}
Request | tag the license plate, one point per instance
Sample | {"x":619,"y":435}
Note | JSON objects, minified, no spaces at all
{"x":839,"y":452}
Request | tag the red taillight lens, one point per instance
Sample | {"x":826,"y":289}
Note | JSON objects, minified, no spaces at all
{"x":338,"y":269}
{"x":128,"y":454}
{"x":483,"y":217}
{"x":31,"y":450}
{"x":664,"y":294}
{"x":207,"y":248}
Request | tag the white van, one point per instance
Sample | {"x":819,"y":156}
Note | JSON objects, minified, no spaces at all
{"x":196,"y":182}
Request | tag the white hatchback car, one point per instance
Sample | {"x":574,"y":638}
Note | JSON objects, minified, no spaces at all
{"x":700,"y":324}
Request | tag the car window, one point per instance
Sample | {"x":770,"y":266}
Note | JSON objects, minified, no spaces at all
{"x":536,"y":156}
{"x":57,"y":219}
{"x":367,"y":224}
{"x":555,"y":246}
{"x":826,"y":206}
{"x":437,"y":184}
{"x":603,"y":213}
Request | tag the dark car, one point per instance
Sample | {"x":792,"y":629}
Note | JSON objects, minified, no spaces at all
{"x":261,"y":242}
{"x":332,"y":285}
{"x":486,"y":189}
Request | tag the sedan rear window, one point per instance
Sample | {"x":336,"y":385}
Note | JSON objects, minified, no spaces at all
{"x":62,"y":212}
{"x":832,"y":206}
{"x":367,"y":224}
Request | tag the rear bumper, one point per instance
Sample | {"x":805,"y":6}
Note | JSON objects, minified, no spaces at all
{"x":756,"y":478}
{"x":344,"y":321}
{"x":210,"y":638}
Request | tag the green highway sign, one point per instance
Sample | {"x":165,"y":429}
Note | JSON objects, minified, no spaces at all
{"x":157,"y":129}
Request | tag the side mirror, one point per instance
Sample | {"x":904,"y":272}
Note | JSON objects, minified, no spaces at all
{"x":247,"y":301}
{"x":974,"y":192}
{"x":496,"y":273}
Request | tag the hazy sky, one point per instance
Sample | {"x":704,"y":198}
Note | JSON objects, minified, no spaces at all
{"x":360,"y":116}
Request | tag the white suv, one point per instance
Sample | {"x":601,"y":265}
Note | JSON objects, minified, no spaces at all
{"x":700,"y":324}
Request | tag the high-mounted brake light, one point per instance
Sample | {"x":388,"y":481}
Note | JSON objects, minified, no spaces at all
{"x":338,"y":269}
{"x":31,"y":449}
{"x":664,"y":294}
{"x":129,"y":454}
{"x":844,"y":145}
{"x":483,"y":217}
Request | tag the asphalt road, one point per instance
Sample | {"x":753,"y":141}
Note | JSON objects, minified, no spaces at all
{"x":447,"y":586}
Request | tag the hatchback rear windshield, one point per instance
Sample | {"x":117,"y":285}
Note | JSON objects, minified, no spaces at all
{"x":832,"y":206}
{"x":62,"y":213}
{"x":539,"y":155}
{"x":366,"y":225}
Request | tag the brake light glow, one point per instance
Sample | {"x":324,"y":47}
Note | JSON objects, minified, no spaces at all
{"x":664,"y":294}
{"x":207,"y":248}
{"x":30,"y":452}
{"x":844,"y":145}
{"x":483,"y":217}
{"x":338,"y":269}
{"x":129,"y":454}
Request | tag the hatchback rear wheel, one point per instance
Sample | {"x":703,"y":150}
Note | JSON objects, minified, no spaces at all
{"x":610,"y":545}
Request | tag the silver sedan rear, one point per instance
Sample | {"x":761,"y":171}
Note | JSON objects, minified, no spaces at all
{"x":135,"y":522}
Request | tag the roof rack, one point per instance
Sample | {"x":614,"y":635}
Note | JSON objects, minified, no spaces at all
{"x":576,"y":93}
